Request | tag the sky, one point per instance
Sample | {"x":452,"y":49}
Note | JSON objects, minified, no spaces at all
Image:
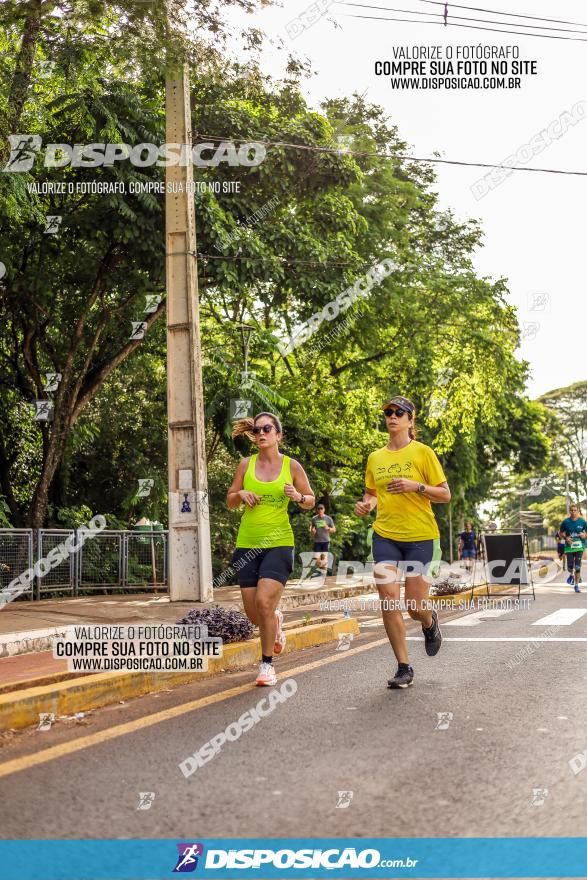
{"x":534,"y":229}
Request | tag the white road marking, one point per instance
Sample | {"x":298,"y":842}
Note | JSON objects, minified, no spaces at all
{"x":504,"y":639}
{"x":562,"y":617}
{"x":478,"y":616}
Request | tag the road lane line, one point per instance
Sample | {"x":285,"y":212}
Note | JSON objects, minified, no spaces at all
{"x":562,"y":617}
{"x":504,"y":639}
{"x":476,"y":617}
{"x":84,"y":742}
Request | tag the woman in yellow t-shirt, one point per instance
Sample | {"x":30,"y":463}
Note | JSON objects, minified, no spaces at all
{"x":401,"y":480}
{"x":266,"y":482}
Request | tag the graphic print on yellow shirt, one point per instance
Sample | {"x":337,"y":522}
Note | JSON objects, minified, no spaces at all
{"x":405,"y":516}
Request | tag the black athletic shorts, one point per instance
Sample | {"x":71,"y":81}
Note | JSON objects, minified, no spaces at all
{"x":252,"y":564}
{"x":574,"y":560}
{"x":321,"y":546}
{"x":420,"y":553}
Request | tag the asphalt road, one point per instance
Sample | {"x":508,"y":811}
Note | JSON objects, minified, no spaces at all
{"x":496,"y":765}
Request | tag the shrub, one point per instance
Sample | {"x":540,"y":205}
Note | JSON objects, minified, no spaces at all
{"x":229,"y":625}
{"x":448,"y":586}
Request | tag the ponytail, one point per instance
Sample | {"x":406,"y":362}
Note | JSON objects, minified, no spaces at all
{"x":243,"y":426}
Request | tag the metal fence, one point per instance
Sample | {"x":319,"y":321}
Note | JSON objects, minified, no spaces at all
{"x":107,"y":561}
{"x":542,"y":542}
{"x":16,"y":556}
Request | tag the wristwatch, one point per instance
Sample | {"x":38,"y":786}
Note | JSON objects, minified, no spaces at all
{"x":421,"y":488}
{"x":302,"y":498}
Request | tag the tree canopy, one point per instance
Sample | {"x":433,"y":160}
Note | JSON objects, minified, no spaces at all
{"x":277,"y":244}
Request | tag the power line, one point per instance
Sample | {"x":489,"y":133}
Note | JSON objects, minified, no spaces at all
{"x":397,"y":156}
{"x":468,"y":27}
{"x":464,"y":18}
{"x":509,"y":14}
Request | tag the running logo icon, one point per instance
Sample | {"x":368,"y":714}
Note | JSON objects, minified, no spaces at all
{"x":539,"y":795}
{"x":146,"y":799}
{"x":344,"y":799}
{"x":187,"y":860}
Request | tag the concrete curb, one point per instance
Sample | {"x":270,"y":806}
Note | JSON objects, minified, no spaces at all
{"x":314,"y":597}
{"x":22,"y":708}
{"x":481,"y":590}
{"x":37,"y":640}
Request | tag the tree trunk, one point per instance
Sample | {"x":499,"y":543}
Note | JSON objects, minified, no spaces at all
{"x":22,"y":75}
{"x":53,"y":458}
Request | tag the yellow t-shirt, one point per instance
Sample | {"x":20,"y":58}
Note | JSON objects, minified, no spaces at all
{"x":407,"y":516}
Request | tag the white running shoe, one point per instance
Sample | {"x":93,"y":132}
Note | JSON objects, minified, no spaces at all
{"x":280,"y":638}
{"x":266,"y":675}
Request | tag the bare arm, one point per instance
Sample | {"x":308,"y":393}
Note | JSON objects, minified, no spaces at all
{"x":236,"y":494}
{"x":438,"y":494}
{"x":301,"y":486}
{"x":369,"y":502}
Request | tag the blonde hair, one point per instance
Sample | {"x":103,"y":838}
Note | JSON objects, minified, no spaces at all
{"x":245,"y":426}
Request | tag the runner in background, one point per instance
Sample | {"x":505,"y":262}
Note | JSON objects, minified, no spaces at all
{"x":574,"y":530}
{"x":560,"y":548}
{"x":322,"y":528}
{"x":468,"y":545}
{"x":265,"y":483}
{"x":401,"y":480}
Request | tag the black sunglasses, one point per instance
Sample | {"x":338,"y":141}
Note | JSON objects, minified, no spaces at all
{"x":398,"y":413}
{"x":265,"y":428}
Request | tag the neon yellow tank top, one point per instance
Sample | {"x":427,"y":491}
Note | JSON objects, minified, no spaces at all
{"x":267,"y":524}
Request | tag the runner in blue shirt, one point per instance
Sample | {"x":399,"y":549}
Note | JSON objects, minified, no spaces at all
{"x":468,"y":545}
{"x":574,"y":529}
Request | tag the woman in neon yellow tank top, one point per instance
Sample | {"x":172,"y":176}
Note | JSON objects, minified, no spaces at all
{"x":266,"y":482}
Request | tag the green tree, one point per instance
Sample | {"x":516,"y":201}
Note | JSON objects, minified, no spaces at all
{"x":568,"y":432}
{"x":302,"y":227}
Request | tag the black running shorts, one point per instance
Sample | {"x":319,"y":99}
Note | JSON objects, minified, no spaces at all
{"x":252,"y":564}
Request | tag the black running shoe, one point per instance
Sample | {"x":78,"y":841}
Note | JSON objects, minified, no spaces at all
{"x":402,"y":679}
{"x":433,"y":636}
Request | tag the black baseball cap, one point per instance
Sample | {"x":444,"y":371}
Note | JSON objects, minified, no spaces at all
{"x":398,"y":400}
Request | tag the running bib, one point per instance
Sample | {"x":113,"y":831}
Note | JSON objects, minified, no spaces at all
{"x":576,"y":544}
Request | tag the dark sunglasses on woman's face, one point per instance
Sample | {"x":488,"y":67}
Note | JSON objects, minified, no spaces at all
{"x":398,"y":413}
{"x":265,"y":428}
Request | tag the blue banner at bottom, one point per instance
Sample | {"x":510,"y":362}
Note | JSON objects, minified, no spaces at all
{"x":259,"y":858}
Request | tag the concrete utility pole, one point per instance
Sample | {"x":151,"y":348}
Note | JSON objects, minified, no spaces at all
{"x":190,"y":562}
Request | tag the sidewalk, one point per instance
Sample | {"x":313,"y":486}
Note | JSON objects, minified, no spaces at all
{"x":27,"y":629}
{"x":32,"y":682}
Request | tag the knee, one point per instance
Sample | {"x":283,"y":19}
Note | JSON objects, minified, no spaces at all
{"x":387,"y":595}
{"x":265,"y":607}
